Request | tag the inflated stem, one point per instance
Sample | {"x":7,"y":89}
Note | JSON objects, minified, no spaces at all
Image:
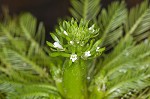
{"x":74,"y":80}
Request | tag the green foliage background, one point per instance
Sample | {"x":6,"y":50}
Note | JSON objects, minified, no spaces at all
{"x":27,"y":70}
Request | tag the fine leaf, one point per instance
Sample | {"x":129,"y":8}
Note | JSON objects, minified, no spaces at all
{"x":86,"y":9}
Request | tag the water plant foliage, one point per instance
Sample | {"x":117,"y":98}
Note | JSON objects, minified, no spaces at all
{"x":100,"y":53}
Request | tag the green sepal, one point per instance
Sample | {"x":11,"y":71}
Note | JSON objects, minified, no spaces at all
{"x":49,"y":44}
{"x":100,"y":51}
{"x":91,"y":44}
{"x":96,"y":45}
{"x":54,"y":37}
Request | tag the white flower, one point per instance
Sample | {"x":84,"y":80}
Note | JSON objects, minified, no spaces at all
{"x":87,"y":54}
{"x":88,"y":78}
{"x":57,"y":45}
{"x":73,"y":57}
{"x":65,"y":33}
{"x":97,"y":49}
{"x":92,"y":28}
{"x":71,"y":42}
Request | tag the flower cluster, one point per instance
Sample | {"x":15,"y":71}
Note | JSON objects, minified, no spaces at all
{"x":76,"y":40}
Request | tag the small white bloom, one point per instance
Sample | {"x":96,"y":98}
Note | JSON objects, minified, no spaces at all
{"x":87,"y":54}
{"x":65,"y":33}
{"x":57,"y":45}
{"x":71,"y":42}
{"x":97,"y":49}
{"x":88,"y":78}
{"x":92,"y":28}
{"x":73,"y":57}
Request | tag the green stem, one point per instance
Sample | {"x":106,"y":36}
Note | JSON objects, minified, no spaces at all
{"x":74,"y":80}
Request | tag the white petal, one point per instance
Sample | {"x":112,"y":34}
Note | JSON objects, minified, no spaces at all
{"x":91,"y":28}
{"x":73,"y":57}
{"x":97,"y":49}
{"x":71,"y":42}
{"x":65,"y":33}
{"x":88,"y":78}
{"x":57,"y":45}
{"x":87,"y":54}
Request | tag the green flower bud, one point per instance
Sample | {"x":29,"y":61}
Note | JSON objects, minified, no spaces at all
{"x":77,"y":39}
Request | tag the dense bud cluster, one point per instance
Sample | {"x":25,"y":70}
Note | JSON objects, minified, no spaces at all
{"x":76,"y":40}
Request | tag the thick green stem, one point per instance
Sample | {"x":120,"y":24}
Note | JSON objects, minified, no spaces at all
{"x":74,"y":80}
